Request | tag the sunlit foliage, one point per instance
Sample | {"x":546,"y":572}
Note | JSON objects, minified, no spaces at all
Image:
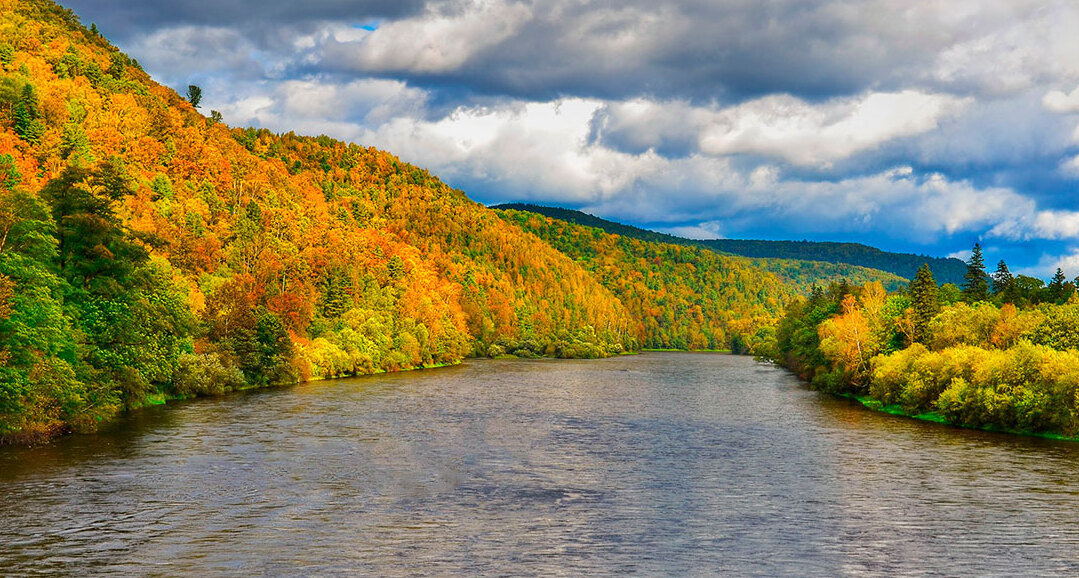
{"x":988,"y":363}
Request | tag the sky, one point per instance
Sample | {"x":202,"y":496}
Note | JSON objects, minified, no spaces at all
{"x":913,"y":126}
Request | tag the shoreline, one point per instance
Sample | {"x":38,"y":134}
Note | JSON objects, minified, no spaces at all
{"x":43,"y":437}
{"x":37,"y":438}
{"x":933,"y":417}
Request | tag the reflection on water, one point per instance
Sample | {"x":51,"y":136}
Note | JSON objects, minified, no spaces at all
{"x":658,"y":463}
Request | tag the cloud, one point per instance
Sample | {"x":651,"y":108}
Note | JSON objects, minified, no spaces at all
{"x":671,"y":128}
{"x":543,"y":151}
{"x":662,"y":49}
{"x":550,"y":152}
{"x":520,"y":149}
{"x":1011,"y":47}
{"x":791,"y":129}
{"x":1026,"y":224}
{"x":703,"y":231}
{"x":121,"y":21}
{"x":1058,"y":101}
{"x":698,"y":50}
{"x":780,"y":126}
{"x":187,"y":51}
{"x":438,"y":41}
{"x":318,"y":107}
{"x":1048,"y":264}
{"x":1070,"y":166}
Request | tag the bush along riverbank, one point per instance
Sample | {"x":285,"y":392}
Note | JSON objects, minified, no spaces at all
{"x":985,"y":360}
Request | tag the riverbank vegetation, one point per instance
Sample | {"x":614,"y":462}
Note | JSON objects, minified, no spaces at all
{"x":1001,"y":352}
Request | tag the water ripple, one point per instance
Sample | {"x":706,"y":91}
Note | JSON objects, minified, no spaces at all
{"x":655,"y":464}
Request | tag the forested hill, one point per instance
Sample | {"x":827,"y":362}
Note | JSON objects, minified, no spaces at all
{"x":946,"y":270}
{"x":686,"y":297}
{"x":800,"y":274}
{"x":148,"y":252}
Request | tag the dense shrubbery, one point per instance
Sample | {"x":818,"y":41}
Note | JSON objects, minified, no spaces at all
{"x":204,"y":374}
{"x":979,"y":364}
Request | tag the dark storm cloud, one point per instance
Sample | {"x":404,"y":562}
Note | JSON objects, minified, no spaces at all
{"x":122,"y":19}
{"x":697,"y":50}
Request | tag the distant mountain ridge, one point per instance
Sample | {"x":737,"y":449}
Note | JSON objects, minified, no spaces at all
{"x":946,"y":270}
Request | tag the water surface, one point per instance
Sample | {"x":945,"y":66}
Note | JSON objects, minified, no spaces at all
{"x":660,"y":463}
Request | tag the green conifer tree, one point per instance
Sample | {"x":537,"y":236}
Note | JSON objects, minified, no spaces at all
{"x":976,"y":287}
{"x":194,"y":95}
{"x":1056,"y":287}
{"x":1004,"y":284}
{"x":924,"y":301}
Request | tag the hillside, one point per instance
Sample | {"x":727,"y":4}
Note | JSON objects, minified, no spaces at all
{"x":687,"y":297}
{"x":148,"y":252}
{"x":901,"y":265}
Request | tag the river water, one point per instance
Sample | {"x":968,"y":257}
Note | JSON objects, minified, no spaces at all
{"x":675,"y":464}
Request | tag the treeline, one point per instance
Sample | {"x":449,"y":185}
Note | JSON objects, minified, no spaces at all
{"x":853,"y":261}
{"x":994,"y":353}
{"x":900,"y":264}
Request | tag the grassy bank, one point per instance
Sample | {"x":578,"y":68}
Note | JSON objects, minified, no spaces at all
{"x":898,"y":410}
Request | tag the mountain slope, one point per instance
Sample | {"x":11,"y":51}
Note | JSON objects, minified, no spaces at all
{"x":147,"y":252}
{"x":903,"y":265}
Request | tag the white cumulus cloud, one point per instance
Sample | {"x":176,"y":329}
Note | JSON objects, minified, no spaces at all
{"x":805,"y":134}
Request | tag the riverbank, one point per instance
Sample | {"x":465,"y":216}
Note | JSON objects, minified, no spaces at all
{"x":49,"y":432}
{"x":934,"y":417}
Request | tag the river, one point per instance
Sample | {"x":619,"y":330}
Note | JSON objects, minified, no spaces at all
{"x":660,"y":463}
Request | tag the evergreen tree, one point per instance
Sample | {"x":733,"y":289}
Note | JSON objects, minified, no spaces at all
{"x":9,"y":173}
{"x":194,"y":95}
{"x":1004,"y":284}
{"x":27,"y":116}
{"x":117,"y":65}
{"x":976,"y":286}
{"x":7,"y":54}
{"x":1056,"y":287}
{"x":925,"y":302}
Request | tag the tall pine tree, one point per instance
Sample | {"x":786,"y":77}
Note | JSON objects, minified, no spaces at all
{"x":1055,"y":288}
{"x":1004,"y":284}
{"x":925,"y":302}
{"x":976,"y":285}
